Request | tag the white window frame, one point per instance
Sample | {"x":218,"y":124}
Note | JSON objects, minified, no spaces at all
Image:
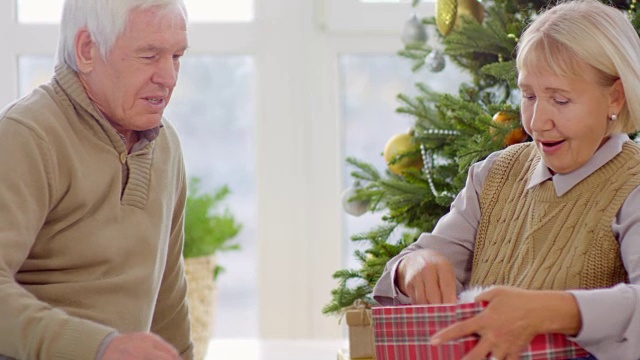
{"x":357,"y":17}
{"x":296,"y":46}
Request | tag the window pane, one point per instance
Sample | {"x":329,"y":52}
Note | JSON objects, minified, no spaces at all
{"x":369,"y":86}
{"x":50,"y":11}
{"x":33,"y":71}
{"x":220,"y":10}
{"x":213,"y":109}
{"x":40,"y":11}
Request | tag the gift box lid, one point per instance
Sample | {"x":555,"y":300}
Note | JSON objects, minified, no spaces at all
{"x":403,"y":333}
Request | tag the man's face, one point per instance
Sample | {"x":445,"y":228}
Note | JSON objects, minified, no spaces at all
{"x":133,"y":86}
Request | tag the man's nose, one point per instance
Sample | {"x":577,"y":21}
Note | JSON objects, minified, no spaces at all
{"x":166,"y":73}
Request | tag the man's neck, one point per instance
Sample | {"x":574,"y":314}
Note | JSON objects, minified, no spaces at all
{"x":130,"y":138}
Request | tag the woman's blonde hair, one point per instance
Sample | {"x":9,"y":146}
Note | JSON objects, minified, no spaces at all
{"x":587,"y":31}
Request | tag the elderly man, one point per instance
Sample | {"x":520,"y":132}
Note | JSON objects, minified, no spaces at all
{"x":92,"y":193}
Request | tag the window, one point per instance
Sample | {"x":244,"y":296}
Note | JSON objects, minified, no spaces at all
{"x":39,"y":11}
{"x":216,"y":11}
{"x":50,"y":11}
{"x":33,"y":71}
{"x":292,"y":116}
{"x":213,"y":109}
{"x":385,"y":1}
{"x":369,"y":86}
{"x":373,"y":17}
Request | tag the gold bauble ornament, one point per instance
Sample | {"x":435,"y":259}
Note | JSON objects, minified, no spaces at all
{"x":398,"y":145}
{"x":471,"y":8}
{"x":448,"y":12}
{"x":515,"y":136}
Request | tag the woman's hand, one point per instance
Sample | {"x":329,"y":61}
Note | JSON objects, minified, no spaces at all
{"x":427,"y":278}
{"x":512,"y":319}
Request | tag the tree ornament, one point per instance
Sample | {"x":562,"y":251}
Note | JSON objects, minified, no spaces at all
{"x":413,"y":32}
{"x":354,"y":207}
{"x":435,"y":61}
{"x":428,"y":164}
{"x":471,"y":8}
{"x":399,"y":145}
{"x":516,"y":135}
{"x":446,"y":11}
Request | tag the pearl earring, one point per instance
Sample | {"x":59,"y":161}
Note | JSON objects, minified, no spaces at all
{"x":614,"y":117}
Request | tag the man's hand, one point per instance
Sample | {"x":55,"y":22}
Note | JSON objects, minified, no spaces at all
{"x":139,"y":346}
{"x":427,"y":278}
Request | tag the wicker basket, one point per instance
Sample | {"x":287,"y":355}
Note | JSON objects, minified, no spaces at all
{"x":201,"y":297}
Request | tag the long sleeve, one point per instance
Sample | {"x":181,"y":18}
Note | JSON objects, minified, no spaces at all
{"x":453,"y":236}
{"x":29,"y":328}
{"x":82,"y":254}
{"x":611,"y":317}
{"x":171,"y":315}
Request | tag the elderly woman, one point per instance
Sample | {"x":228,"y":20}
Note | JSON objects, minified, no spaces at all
{"x":555,"y":222}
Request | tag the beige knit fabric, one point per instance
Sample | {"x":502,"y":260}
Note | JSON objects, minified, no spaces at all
{"x":536,"y":240}
{"x":81,"y":257}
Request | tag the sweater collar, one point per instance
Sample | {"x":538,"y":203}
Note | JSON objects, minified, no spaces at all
{"x":564,"y":182}
{"x":68,"y":80}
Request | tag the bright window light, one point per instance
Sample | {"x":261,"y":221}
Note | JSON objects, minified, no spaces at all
{"x":385,"y":1}
{"x":212,"y":11}
{"x":204,"y":11}
{"x":39,"y":11}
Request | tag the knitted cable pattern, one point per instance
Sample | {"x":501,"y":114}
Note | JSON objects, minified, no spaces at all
{"x":531,"y":238}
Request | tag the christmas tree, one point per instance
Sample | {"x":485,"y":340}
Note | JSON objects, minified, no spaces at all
{"x":428,"y":165}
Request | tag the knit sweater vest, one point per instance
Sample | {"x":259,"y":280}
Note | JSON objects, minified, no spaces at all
{"x":533,"y":239}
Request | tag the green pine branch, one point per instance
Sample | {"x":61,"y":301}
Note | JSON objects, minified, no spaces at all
{"x":454,"y":131}
{"x":209,"y":226}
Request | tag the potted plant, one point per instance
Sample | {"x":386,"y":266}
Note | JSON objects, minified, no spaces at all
{"x":209,"y":228}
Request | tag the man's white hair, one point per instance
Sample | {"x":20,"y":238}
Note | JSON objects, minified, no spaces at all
{"x":104,"y":19}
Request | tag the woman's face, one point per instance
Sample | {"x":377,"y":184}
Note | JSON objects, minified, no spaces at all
{"x":567,"y":117}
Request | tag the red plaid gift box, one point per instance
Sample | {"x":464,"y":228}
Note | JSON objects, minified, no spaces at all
{"x":403,"y":333}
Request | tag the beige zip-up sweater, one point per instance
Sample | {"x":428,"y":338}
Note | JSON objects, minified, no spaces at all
{"x":82,"y":256}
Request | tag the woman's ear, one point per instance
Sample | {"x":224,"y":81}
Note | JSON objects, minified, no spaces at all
{"x":85,"y":50}
{"x":616,"y":97}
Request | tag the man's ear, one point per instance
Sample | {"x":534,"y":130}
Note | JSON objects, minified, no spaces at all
{"x":85,"y":50}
